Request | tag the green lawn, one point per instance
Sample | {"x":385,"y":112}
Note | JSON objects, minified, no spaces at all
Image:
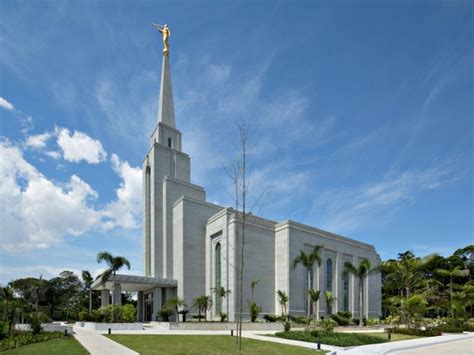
{"x":69,"y":346}
{"x":203,"y":344}
{"x":395,"y":336}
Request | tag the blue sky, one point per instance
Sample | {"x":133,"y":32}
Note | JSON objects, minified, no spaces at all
{"x":362,"y":119}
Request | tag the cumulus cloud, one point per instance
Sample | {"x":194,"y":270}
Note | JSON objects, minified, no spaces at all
{"x":38,"y":141}
{"x":36,"y":212}
{"x":126,"y":210}
{"x":6,"y":105}
{"x":79,"y":146}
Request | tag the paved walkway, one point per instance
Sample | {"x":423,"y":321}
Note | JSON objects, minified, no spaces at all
{"x":97,"y":344}
{"x":461,"y":347}
{"x":421,"y":345}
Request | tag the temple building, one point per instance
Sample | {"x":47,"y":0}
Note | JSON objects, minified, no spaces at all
{"x":190,"y":244}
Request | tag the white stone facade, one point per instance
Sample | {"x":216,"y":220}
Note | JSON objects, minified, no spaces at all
{"x":183,"y":234}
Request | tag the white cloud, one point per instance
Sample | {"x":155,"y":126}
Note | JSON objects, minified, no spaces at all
{"x":38,"y":141}
{"x":36,"y":212}
{"x":126,"y":210}
{"x":79,"y":146}
{"x":53,"y":154}
{"x":6,"y":105}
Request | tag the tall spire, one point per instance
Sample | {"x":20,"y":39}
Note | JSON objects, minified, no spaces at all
{"x":165,"y":103}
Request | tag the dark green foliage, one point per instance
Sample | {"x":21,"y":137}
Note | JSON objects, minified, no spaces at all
{"x":254,"y":311}
{"x":164,"y":314}
{"x":24,"y":338}
{"x":270,"y":318}
{"x":223,"y":316}
{"x":287,"y":326}
{"x":428,"y":332}
{"x":342,"y":318}
{"x":331,"y":338}
{"x":299,"y":319}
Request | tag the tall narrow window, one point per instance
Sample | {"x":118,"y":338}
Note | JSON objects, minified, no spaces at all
{"x":345,"y":290}
{"x":148,"y":221}
{"x":217,"y":282}
{"x":328,"y":275}
{"x":170,"y":143}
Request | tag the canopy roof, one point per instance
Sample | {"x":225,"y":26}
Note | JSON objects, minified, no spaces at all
{"x":133,"y":283}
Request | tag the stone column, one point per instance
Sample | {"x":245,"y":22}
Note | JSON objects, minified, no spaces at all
{"x":104,"y":298}
{"x":140,"y":306}
{"x":118,"y":294}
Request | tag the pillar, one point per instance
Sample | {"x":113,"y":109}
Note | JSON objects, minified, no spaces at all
{"x":118,"y":294}
{"x":140,"y":306}
{"x":104,"y":298}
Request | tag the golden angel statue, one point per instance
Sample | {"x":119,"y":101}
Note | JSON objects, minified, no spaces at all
{"x":165,"y":31}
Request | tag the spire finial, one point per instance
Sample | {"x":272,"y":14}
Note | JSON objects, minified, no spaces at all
{"x":165,"y":31}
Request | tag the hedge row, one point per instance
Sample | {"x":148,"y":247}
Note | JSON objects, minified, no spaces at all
{"x":331,"y":338}
{"x":24,"y":338}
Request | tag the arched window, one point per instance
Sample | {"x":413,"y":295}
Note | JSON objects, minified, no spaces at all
{"x":345,"y":292}
{"x":328,"y":275}
{"x":217,"y":281}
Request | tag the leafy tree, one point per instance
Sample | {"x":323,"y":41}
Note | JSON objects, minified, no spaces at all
{"x":202,"y":304}
{"x":88,"y":280}
{"x":361,"y":272}
{"x":451,"y":274}
{"x":283,"y":300}
{"x":221,"y":293}
{"x":308,"y":260}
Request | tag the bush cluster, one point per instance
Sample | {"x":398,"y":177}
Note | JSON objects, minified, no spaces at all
{"x":125,"y":314}
{"x":342,"y":318}
{"x":428,"y":332}
{"x":331,"y":338}
{"x":24,"y":338}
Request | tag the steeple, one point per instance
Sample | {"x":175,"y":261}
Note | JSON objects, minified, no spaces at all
{"x":165,"y":103}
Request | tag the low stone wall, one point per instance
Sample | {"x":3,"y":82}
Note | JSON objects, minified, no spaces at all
{"x":47,"y":327}
{"x":113,"y":326}
{"x":222,"y":326}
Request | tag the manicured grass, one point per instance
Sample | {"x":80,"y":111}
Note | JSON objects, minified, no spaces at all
{"x":203,"y":344}
{"x":69,"y":346}
{"x":395,"y":337}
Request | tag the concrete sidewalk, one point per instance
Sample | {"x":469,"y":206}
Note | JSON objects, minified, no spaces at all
{"x":422,"y":345}
{"x":97,"y":344}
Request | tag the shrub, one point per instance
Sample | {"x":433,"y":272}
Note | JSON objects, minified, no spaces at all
{"x":300,"y":319}
{"x":129,"y":313}
{"x":35,"y":322}
{"x":84,"y":316}
{"x":327,"y":325}
{"x":287,"y":326}
{"x":223,"y":316}
{"x":254,"y":310}
{"x":164,"y":314}
{"x":331,"y":338}
{"x":271,"y":318}
{"x":428,"y":332}
{"x":373,"y":321}
{"x":342,"y":318}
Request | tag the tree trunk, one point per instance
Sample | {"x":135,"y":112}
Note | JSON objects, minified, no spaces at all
{"x":308,"y":303}
{"x":90,"y":301}
{"x":361,"y":303}
{"x":113,"y":297}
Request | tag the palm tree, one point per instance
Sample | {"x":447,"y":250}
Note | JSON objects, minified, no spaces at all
{"x":87,"y":278}
{"x":253,"y":283}
{"x":221,"y":293}
{"x":114,"y":263}
{"x":361,"y":272}
{"x":283,"y":300}
{"x":203,"y":304}
{"x":314,"y":296}
{"x":456,"y":272}
{"x":6,"y":295}
{"x":307,"y":260}
{"x":329,"y":299}
{"x":174,"y":303}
